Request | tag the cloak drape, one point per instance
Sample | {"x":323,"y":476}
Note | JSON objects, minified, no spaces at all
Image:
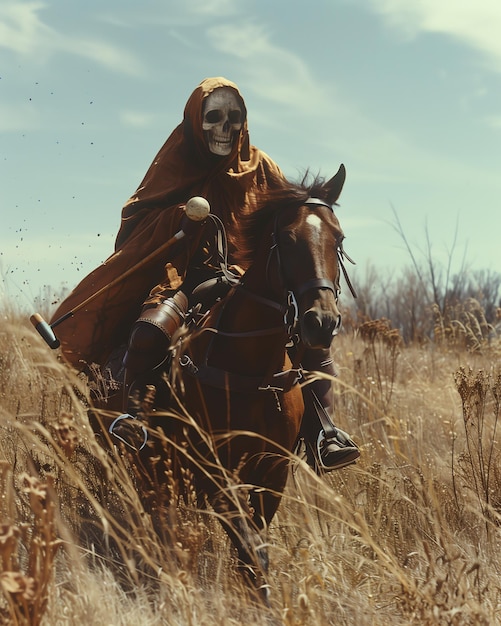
{"x":184,"y":167}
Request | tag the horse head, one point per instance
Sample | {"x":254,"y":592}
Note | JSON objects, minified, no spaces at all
{"x":309,"y":244}
{"x":306,"y":253}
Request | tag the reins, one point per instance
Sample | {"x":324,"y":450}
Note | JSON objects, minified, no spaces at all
{"x":341,"y":254}
{"x":281,"y":381}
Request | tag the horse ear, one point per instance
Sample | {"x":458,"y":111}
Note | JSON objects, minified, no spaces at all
{"x":335,"y":184}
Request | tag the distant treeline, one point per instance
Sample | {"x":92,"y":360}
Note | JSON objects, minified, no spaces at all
{"x":425,"y":303}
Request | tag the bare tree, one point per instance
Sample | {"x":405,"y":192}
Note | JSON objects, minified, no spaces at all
{"x":412,"y":298}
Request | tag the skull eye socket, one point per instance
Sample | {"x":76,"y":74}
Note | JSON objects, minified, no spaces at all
{"x":214,"y":116}
{"x":235,"y":116}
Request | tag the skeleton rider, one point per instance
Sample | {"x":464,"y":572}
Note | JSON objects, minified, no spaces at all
{"x":208,"y":154}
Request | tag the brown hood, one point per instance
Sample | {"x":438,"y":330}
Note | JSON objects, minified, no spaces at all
{"x":185,"y":167}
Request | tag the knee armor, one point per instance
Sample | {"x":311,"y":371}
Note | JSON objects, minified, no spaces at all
{"x":152,"y":333}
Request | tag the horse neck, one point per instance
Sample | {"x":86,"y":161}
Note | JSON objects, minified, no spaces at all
{"x":253,"y":311}
{"x":263,"y":278}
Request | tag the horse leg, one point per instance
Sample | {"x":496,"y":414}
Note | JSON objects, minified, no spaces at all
{"x":271,"y":476}
{"x":228,"y":498}
{"x":247,"y":528}
{"x":245,"y":535}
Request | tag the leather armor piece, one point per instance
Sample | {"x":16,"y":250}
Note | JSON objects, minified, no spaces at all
{"x":152,"y":333}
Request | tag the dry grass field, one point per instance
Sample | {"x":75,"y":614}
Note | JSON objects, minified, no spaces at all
{"x":409,"y":535}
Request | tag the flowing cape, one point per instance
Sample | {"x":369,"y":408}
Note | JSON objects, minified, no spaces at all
{"x":182,"y":168}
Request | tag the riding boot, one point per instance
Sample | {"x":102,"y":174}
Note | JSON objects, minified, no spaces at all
{"x":327,"y":446}
{"x":148,"y":348}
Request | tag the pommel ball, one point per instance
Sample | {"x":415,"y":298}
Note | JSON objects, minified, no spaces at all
{"x":197,"y":209}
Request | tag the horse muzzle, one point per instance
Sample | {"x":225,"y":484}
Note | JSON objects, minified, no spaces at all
{"x":318,"y":326}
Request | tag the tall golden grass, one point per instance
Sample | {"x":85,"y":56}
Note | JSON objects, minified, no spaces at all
{"x":409,"y":535}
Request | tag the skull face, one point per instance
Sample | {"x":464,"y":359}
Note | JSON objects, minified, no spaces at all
{"x":222,"y":120}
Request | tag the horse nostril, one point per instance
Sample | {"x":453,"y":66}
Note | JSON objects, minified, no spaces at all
{"x":318,"y":328}
{"x":337,"y":325}
{"x":312,"y":320}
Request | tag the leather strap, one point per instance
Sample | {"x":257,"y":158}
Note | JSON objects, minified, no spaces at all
{"x":324,"y":418}
{"x":320,"y":283}
{"x":221,"y":379}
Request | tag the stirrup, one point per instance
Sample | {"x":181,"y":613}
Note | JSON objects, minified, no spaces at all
{"x":116,"y":423}
{"x":343,"y":451}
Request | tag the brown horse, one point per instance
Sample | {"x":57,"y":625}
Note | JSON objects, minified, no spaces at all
{"x":236,"y":376}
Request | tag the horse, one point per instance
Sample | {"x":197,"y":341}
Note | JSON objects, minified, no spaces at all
{"x":235,"y":379}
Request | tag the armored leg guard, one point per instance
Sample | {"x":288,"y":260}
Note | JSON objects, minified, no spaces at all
{"x":152,"y":334}
{"x":148,"y":347}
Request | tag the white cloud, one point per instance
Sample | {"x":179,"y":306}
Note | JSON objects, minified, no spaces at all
{"x":212,"y":7}
{"x":23,"y":32}
{"x":136,"y":119}
{"x":477,"y":24}
{"x":269,"y":68}
{"x":166,"y":13}
{"x":17,"y":117}
{"x":279,"y":75}
{"x":20,"y":26}
{"x":494,"y":121}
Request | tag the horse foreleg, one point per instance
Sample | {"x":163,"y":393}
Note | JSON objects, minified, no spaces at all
{"x":248,"y":539}
{"x":268,"y":474}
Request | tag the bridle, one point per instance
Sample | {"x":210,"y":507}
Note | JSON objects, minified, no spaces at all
{"x":318,"y":283}
{"x":313,"y":283}
{"x":287,"y":306}
{"x":341,"y":254}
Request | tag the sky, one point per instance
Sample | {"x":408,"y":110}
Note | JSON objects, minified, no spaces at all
{"x":406,"y":94}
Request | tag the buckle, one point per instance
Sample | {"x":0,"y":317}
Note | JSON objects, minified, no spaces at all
{"x":185,"y":361}
{"x":116,"y":421}
{"x":291,"y":314}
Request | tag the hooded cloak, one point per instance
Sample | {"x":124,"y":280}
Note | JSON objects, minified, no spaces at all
{"x":184,"y":167}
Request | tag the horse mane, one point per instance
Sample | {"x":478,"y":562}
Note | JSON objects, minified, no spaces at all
{"x":285,"y":193}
